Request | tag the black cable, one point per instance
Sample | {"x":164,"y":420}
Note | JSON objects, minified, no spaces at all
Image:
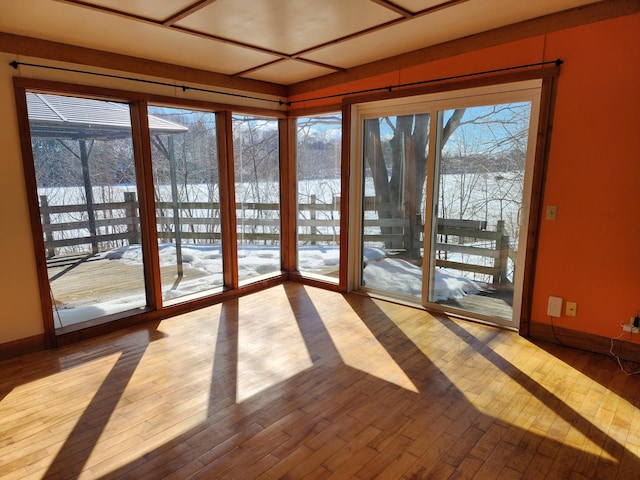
{"x":553,"y":330}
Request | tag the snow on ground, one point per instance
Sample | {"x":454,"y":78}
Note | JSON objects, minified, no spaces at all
{"x":400,"y":276}
{"x":381,"y":272}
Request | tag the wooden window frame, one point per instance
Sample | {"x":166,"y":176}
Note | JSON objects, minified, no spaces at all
{"x":139,"y":102}
{"x":549,"y":79}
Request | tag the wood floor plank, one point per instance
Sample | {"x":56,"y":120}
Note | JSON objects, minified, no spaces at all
{"x":298,"y":382}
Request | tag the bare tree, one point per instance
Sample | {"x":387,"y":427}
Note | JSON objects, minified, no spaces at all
{"x":399,"y":182}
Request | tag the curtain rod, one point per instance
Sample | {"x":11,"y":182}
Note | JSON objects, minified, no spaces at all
{"x":15,"y":64}
{"x":390,"y":88}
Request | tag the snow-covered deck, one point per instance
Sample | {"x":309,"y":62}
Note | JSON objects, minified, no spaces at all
{"x":101,"y":284}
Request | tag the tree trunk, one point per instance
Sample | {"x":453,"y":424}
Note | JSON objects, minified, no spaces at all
{"x":401,"y":194}
{"x":375,"y":159}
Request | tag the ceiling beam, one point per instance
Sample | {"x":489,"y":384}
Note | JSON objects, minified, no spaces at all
{"x":61,"y":52}
{"x":186,"y":12}
{"x":112,"y":11}
{"x":260,"y":67}
{"x":395,"y":8}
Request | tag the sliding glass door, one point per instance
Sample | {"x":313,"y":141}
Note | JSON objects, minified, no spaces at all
{"x":478,"y":195}
{"x":395,"y":161}
{"x":444,"y":199}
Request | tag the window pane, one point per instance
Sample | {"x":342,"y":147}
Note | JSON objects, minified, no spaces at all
{"x":481,"y":162}
{"x":83,"y":154}
{"x":395,"y":155}
{"x":257,"y":184}
{"x":319,"y":146}
{"x":185,"y":174}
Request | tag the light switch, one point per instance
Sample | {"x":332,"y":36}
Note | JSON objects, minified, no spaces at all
{"x":552,"y":212}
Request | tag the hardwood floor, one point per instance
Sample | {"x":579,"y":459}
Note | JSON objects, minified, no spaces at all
{"x":297,"y":382}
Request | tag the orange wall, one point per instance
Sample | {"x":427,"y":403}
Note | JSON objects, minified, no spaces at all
{"x":591,"y":253}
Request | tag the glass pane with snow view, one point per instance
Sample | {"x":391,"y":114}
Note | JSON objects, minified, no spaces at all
{"x":319,"y":147}
{"x":187,"y":195}
{"x":395,"y":171}
{"x":86,"y":180}
{"x":257,"y":186}
{"x":480,"y":160}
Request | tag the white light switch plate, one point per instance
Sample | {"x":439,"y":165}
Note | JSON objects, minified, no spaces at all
{"x":554,"y":308}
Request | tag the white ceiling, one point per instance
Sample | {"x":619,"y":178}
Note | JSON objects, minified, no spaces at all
{"x":278,"y":41}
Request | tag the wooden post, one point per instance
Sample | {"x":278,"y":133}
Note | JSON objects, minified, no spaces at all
{"x":416,"y":228}
{"x":131,"y":214}
{"x":88,"y":189}
{"x":500,"y":264}
{"x":312,"y":216}
{"x":176,"y":210}
{"x":46,"y":220}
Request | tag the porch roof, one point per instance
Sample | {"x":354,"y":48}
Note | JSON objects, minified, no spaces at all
{"x":68,"y":117}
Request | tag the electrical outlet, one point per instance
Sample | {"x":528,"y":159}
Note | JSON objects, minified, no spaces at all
{"x":628,"y":327}
{"x":571,"y":309}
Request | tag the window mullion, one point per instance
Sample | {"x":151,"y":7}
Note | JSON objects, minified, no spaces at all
{"x":146,"y":202}
{"x":224,"y":127}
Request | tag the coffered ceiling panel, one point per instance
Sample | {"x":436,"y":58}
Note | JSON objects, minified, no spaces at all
{"x":287,"y":26}
{"x":458,"y":21}
{"x":417,"y":5}
{"x":281,"y":41}
{"x":288,"y":71}
{"x":67,"y":23}
{"x":153,"y":9}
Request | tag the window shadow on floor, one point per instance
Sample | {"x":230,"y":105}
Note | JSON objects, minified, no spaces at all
{"x":333,"y":417}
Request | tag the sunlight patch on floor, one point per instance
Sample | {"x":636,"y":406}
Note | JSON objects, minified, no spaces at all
{"x":271,"y":350}
{"x":166,"y":413}
{"x":359,"y":348}
{"x":502,"y":387}
{"x":56,"y":412}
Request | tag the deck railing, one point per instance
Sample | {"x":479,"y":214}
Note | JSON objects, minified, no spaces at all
{"x":116,"y":224}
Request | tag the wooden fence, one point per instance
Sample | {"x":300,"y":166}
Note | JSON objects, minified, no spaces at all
{"x":117,"y":224}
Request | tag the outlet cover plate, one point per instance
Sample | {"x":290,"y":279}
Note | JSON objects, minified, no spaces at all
{"x":554,"y":308}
